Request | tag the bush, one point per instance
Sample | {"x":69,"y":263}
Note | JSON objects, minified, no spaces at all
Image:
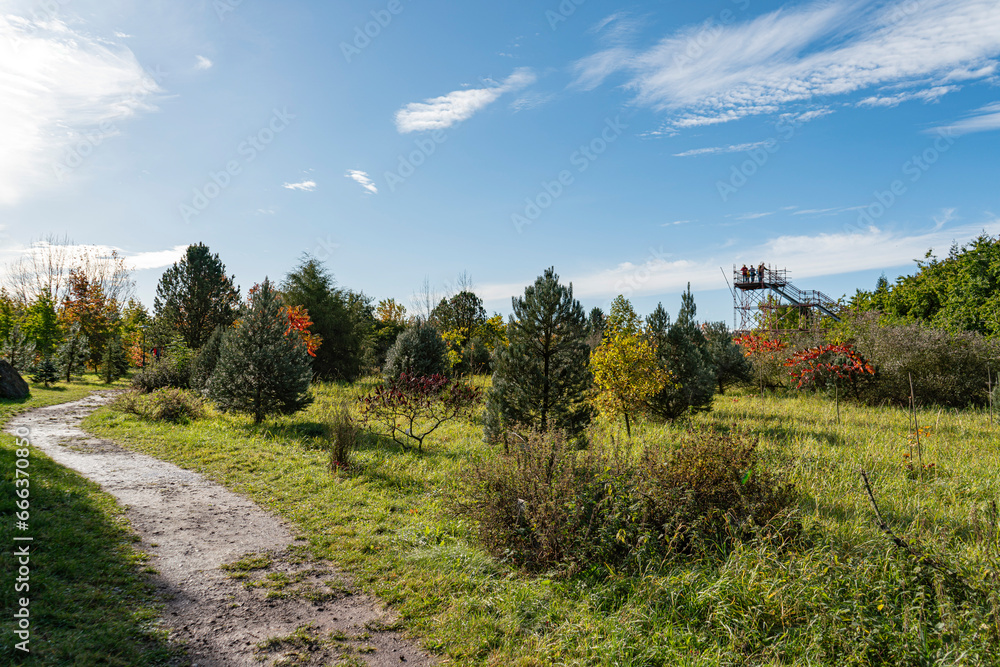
{"x":413,"y":407}
{"x":948,"y":369}
{"x":171,"y":370}
{"x":169,"y":404}
{"x":419,"y":351}
{"x":544,"y":503}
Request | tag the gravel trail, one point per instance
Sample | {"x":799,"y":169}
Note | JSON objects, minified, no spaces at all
{"x":286,"y":608}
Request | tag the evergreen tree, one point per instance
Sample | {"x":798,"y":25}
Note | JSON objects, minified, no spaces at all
{"x":194,"y":296}
{"x":114,"y":363}
{"x":46,"y":372}
{"x":73,"y":354}
{"x":263,"y":368}
{"x":207,"y":359}
{"x":18,"y":349}
{"x":541,"y":379}
{"x":731,"y":365}
{"x":334,"y":320}
{"x":595,"y":327}
{"x":419,"y":351}
{"x":682,"y":352}
{"x":42,"y":324}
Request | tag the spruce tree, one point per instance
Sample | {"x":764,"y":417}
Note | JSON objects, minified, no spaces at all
{"x":682,"y":350}
{"x":114,"y":361}
{"x":73,"y":354}
{"x":541,"y":379}
{"x":731,"y":365}
{"x":418,"y":351}
{"x":194,"y":296}
{"x":206,"y":360}
{"x":334,"y":319}
{"x":261,"y":369}
{"x":46,"y":372}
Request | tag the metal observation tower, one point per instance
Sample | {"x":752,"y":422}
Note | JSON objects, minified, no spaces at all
{"x":763,"y":297}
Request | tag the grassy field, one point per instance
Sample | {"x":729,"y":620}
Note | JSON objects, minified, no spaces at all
{"x":841,"y":594}
{"x":90,"y":604}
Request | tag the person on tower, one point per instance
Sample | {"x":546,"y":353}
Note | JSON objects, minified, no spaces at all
{"x":753,"y":274}
{"x":760,"y":272}
{"x":744,"y":272}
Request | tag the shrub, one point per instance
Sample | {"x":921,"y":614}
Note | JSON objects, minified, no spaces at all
{"x":709,"y":491}
{"x":543,"y":503}
{"x":413,"y":407}
{"x":172,"y":369}
{"x":167,"y":404}
{"x":948,"y":369}
{"x":45,"y":372}
{"x":418,"y":351}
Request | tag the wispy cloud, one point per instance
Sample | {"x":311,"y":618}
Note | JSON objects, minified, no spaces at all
{"x":139,"y":261}
{"x":675,"y":222}
{"x":805,"y":256}
{"x":442,"y":112}
{"x":56,"y":87}
{"x":203,"y":63}
{"x":363,"y":180}
{"x":927,"y":95}
{"x":981,"y":120}
{"x":734,"y":148}
{"x":800,"y":55}
{"x":754,"y":216}
{"x":306,"y":186}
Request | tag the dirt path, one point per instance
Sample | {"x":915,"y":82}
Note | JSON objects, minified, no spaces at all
{"x":280,"y":608}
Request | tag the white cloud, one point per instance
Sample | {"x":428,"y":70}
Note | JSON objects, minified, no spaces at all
{"x":805,"y":256}
{"x":675,"y":222}
{"x":442,"y":112}
{"x":981,"y":120}
{"x":734,"y":148}
{"x":59,"y":89}
{"x":927,"y":95}
{"x":139,"y":261}
{"x":794,"y":56}
{"x":305,"y":186}
{"x":363,"y":179}
{"x":203,"y":63}
{"x":754,"y":216}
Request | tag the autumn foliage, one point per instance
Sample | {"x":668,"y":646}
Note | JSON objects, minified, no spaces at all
{"x":817,"y":366}
{"x":413,"y":407}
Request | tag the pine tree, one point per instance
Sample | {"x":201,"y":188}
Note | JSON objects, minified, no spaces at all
{"x":264,"y":367}
{"x":114,"y":363}
{"x":682,"y":350}
{"x":42,"y":324}
{"x":46,"y":372}
{"x":194,"y":296}
{"x":541,"y":379}
{"x":73,"y":354}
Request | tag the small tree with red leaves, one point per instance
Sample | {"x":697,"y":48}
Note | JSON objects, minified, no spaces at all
{"x":828,"y":365}
{"x":413,"y":407}
{"x":763,"y":352}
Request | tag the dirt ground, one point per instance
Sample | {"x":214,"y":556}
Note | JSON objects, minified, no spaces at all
{"x":271,"y":605}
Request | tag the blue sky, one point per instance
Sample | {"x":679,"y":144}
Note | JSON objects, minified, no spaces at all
{"x":635,"y":147}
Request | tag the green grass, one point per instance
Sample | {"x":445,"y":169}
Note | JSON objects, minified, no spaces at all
{"x":840,"y":595}
{"x":90,"y":603}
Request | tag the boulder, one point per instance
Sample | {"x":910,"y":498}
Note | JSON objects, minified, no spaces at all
{"x":12,"y":385}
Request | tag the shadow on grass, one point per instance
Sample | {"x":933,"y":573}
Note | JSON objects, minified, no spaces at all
{"x":89,"y":602}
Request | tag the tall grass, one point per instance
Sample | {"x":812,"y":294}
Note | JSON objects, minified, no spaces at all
{"x":842,"y":594}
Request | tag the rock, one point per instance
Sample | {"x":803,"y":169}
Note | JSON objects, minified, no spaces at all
{"x":12,"y":385}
